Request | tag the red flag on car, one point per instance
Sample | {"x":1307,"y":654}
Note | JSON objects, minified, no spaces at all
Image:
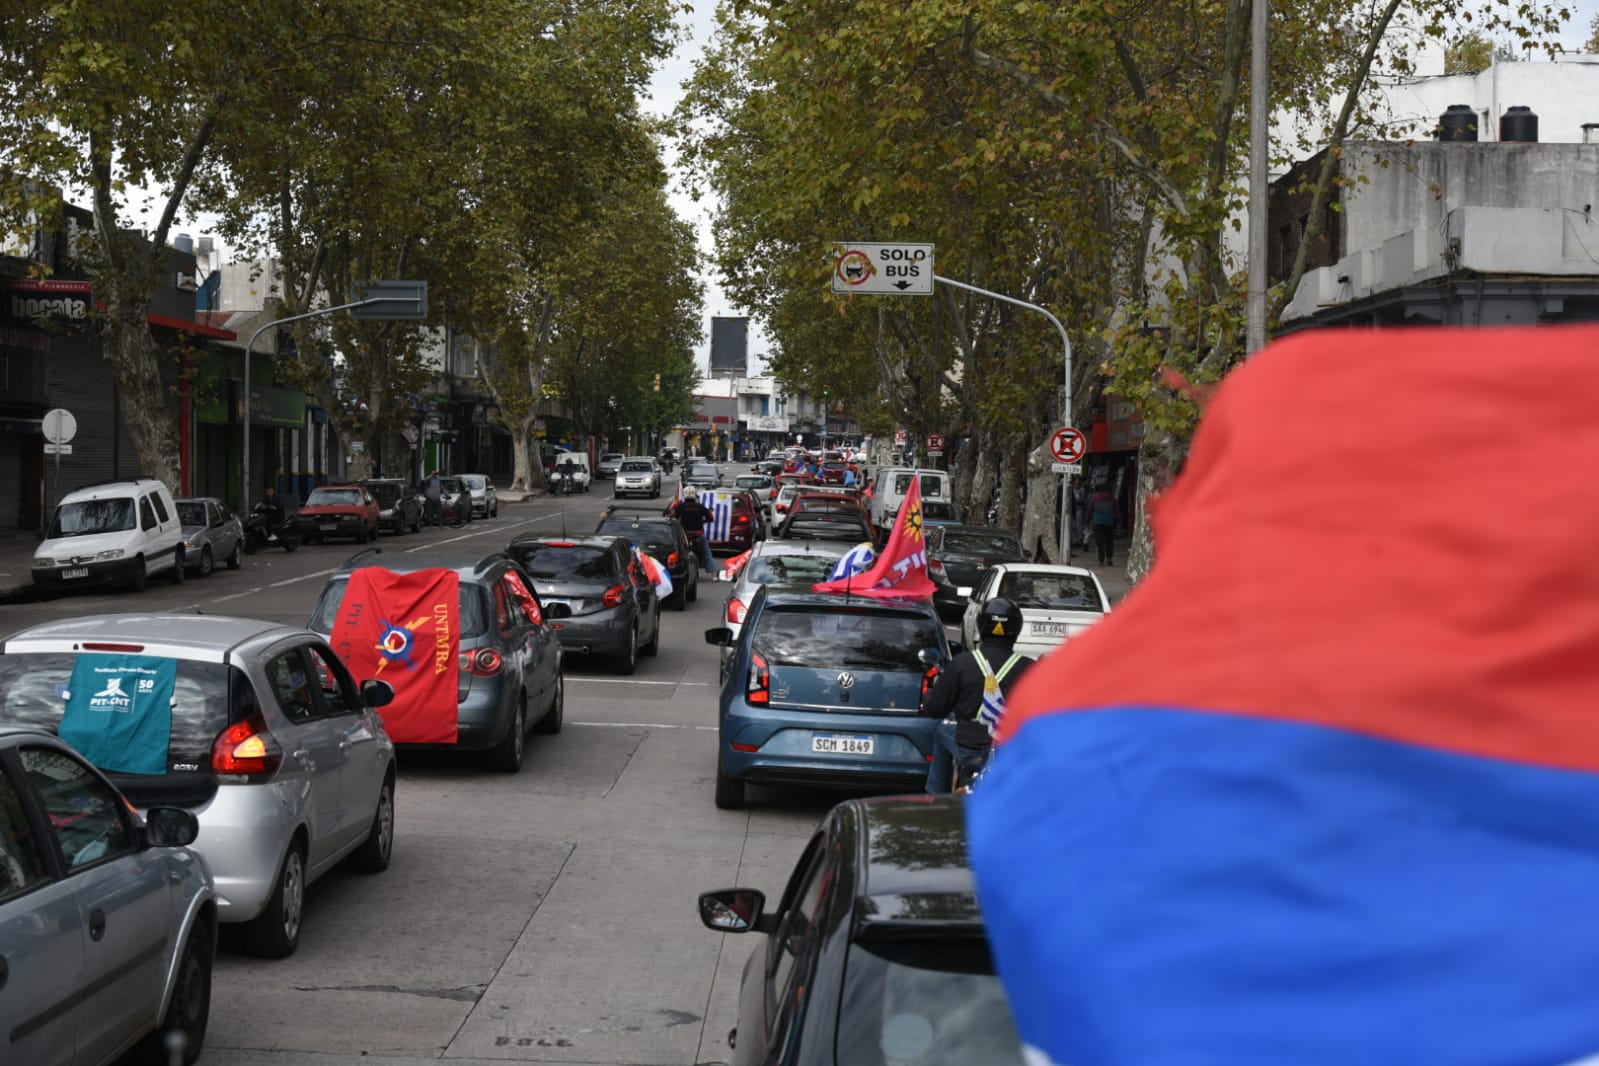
{"x":406,"y":629}
{"x":901,"y":571}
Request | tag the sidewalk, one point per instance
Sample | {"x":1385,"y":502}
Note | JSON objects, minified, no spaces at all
{"x":16,"y":561}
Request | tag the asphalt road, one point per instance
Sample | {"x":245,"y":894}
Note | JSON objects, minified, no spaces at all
{"x":546,"y":917}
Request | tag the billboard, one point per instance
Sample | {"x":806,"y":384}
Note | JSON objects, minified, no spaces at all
{"x":730,"y":347}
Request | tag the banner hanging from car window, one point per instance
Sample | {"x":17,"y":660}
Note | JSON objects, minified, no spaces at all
{"x":406,"y":629}
{"x":119,"y":711}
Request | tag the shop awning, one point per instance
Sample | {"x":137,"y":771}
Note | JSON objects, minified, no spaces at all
{"x":199,"y":329}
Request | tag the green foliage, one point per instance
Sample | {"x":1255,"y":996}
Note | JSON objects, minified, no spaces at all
{"x":1470,"y":53}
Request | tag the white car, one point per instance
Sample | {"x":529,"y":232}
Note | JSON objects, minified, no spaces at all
{"x":1057,"y":603}
{"x":118,"y":533}
{"x":571,"y":465}
{"x":638,"y":476}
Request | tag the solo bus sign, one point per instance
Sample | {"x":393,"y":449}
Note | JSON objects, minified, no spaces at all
{"x":64,"y":301}
{"x":885,"y":269}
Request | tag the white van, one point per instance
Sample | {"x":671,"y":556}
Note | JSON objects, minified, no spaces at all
{"x":576,"y":464}
{"x":893,"y":482}
{"x":116,"y":533}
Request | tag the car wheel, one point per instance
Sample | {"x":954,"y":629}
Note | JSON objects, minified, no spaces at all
{"x":190,"y":1007}
{"x":361,"y":535}
{"x":206,"y":563}
{"x":693,"y":588}
{"x":496,"y":512}
{"x":275,"y":932}
{"x":235,"y":557}
{"x":291,"y":541}
{"x":179,"y":571}
{"x":551,"y":722}
{"x":654,"y":645}
{"x":729,"y":792}
{"x":141,"y":575}
{"x":627,"y":662}
{"x":506,"y":756}
{"x":680,"y":597}
{"x":373,"y":855}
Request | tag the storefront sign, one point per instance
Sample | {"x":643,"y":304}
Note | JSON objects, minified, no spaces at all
{"x":23,"y":299}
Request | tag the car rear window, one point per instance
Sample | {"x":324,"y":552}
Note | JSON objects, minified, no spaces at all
{"x":560,"y":562}
{"x":476,"y":481}
{"x":826,"y":525}
{"x":982,"y":544}
{"x":644,"y":534}
{"x":790,"y":569}
{"x":1061,"y":592}
{"x":36,"y":687}
{"x":818,"y":636}
{"x":335,"y":497}
{"x":749,"y":481}
{"x":932,"y":485}
{"x":474,"y":613}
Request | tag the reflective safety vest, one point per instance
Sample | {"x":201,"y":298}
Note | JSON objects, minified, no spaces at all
{"x":993,"y":708}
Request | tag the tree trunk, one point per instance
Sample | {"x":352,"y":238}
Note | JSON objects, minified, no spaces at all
{"x":986,"y":469}
{"x":522,"y":450}
{"x":1141,"y":550}
{"x":960,"y":473}
{"x":136,"y":360}
{"x":1040,"y":538}
{"x":1010,"y":482}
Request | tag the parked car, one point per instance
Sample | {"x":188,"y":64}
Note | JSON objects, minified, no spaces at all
{"x":877,"y":945}
{"x":702,"y":475}
{"x":638,"y":476}
{"x":485,"y":501}
{"x":456,"y":500}
{"x":825,"y":690}
{"x":610,"y":463}
{"x":613,"y":608}
{"x":958,"y":558}
{"x":572,"y":465}
{"x":510,"y":670}
{"x":399,"y":507}
{"x":286,"y":775}
{"x":115,"y":533}
{"x":1057,"y":603}
{"x":108,"y":921}
{"x":662,"y":537}
{"x":210,"y":532}
{"x":338,"y":511}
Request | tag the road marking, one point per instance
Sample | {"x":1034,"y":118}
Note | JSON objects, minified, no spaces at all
{"x":647,"y":725}
{"x":482,"y":533}
{"x":629,"y":681}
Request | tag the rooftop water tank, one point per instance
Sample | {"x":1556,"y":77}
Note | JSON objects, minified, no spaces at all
{"x":183,"y":243}
{"x":1458,"y":123}
{"x":1519,"y":124}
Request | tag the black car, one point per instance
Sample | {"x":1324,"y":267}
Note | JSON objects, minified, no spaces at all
{"x":399,"y":507}
{"x":615,"y":609}
{"x":958,"y":558}
{"x":842,"y":526}
{"x":510,"y":666}
{"x":876,"y":953}
{"x":663,"y":538}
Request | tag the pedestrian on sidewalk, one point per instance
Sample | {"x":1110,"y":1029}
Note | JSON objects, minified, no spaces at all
{"x":1102,"y":516}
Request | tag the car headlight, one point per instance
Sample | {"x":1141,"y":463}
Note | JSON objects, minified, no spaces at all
{"x":189,"y":543}
{"x":43,"y":562}
{"x":111,"y":553}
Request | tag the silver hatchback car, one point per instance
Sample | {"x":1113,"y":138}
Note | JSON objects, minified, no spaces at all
{"x":108,"y":922}
{"x":256,"y":728}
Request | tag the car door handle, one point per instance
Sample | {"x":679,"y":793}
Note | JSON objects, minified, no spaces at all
{"x":96,"y":924}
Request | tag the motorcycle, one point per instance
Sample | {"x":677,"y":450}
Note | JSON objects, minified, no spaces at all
{"x":565,"y":482}
{"x":666,"y":463}
{"x":261,"y":532}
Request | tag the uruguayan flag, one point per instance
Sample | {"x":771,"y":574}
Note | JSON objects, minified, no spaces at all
{"x":857,"y":560}
{"x":721,"y":508}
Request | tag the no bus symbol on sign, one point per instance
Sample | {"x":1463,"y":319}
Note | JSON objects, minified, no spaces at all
{"x":885,"y":269}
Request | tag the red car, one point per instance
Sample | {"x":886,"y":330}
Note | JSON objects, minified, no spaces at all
{"x":338,"y":511}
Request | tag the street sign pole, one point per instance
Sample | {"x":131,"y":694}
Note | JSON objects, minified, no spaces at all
{"x":1066,"y":404}
{"x":407,"y":300}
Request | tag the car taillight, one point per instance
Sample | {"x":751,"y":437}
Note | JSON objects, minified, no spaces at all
{"x":759,"y":688}
{"x":936,"y":566}
{"x":671,"y":560}
{"x":742,"y":520}
{"x":484,"y":662}
{"x":246,"y":749}
{"x":614,"y":595}
{"x":736,"y":611}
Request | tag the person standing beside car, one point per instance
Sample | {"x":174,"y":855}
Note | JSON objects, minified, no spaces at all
{"x":433,"y":493}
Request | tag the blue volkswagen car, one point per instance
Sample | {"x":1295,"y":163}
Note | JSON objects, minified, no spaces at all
{"x":825,"y":690}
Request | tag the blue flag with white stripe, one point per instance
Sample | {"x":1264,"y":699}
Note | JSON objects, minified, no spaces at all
{"x":857,"y":560}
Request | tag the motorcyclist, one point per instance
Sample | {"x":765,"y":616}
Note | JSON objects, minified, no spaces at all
{"x":271,"y":508}
{"x":969,"y":693}
{"x":694,"y":515}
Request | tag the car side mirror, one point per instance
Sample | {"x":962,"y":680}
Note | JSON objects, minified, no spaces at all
{"x":375,"y":693}
{"x":733,"y":910}
{"x":170,"y":827}
{"x":557,"y":610}
{"x":720,"y":636}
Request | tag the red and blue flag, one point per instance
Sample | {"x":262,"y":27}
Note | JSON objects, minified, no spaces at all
{"x":1324,"y":789}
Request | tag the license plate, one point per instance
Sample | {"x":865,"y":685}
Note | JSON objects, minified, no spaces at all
{"x":76,"y":571}
{"x":1050,"y":629}
{"x":838,"y":744}
{"x":328,"y":527}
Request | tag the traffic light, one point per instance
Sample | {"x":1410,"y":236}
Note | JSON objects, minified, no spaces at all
{"x":657,"y":383}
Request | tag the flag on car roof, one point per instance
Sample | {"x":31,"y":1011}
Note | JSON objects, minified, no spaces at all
{"x":658,"y":575}
{"x":857,"y":560}
{"x":1325,"y":789}
{"x":901,"y":569}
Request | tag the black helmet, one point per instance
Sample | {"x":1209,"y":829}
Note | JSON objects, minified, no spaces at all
{"x":1000,"y":619}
